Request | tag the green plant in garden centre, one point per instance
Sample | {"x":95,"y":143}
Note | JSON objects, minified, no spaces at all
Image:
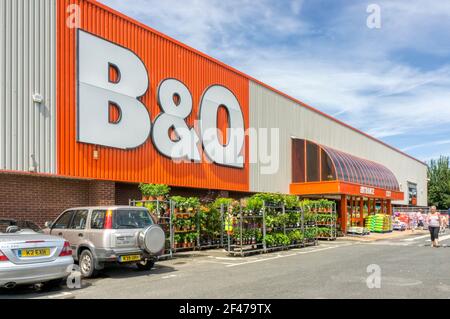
{"x":270,"y":221}
{"x":323,"y":232}
{"x":222,"y":201}
{"x":270,"y":198}
{"x":290,"y":201}
{"x":177,"y":238}
{"x":281,"y":239}
{"x":309,"y":216}
{"x":254,"y":204}
{"x":306,"y":205}
{"x":180,"y":203}
{"x":180,"y":223}
{"x":154,"y":190}
{"x":258,"y":235}
{"x":295,"y":236}
{"x":281,"y":220}
{"x":192,"y":203}
{"x":192,"y":237}
{"x":269,"y":240}
{"x":311,"y":232}
{"x":151,"y":206}
{"x":293,"y":217}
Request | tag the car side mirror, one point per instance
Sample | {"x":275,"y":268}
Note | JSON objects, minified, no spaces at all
{"x":48,"y":224}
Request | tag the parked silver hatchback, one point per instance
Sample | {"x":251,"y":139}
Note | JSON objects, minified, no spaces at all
{"x":101,"y":235}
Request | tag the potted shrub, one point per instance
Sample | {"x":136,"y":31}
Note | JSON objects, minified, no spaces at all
{"x":269,"y":240}
{"x":146,"y":190}
{"x":176,"y":240}
{"x":282,"y":219}
{"x":295,"y":237}
{"x":187,"y":224}
{"x":290,"y":201}
{"x":161,"y":191}
{"x":293,"y":218}
{"x":191,"y":238}
{"x":179,"y":224}
{"x":270,"y":221}
{"x":330,"y":207}
{"x":217,"y":204}
{"x":154,"y":191}
{"x":192,"y":204}
{"x":245,"y":209}
{"x":179,"y":204}
{"x":254,"y":204}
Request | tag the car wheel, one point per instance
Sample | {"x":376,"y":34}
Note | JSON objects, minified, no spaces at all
{"x":145,"y":264}
{"x":87,"y":264}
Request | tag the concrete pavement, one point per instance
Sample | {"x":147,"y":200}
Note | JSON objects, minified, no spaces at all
{"x":409,"y":269}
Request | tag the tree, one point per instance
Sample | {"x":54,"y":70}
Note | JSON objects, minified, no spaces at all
{"x":439,"y":182}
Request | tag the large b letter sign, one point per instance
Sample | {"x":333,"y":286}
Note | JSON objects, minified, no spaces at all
{"x":96,"y":92}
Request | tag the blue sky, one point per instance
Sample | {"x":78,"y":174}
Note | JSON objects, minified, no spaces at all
{"x":392,"y":82}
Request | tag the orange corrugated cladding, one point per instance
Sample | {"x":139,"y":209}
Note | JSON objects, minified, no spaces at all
{"x":163,"y":59}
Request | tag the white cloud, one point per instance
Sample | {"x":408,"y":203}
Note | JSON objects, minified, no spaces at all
{"x":296,"y":6}
{"x":441,"y":142}
{"x":339,"y":66}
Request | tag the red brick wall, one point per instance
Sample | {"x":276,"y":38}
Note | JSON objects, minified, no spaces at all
{"x":102,"y":193}
{"x":41,"y":198}
{"x":125,"y":192}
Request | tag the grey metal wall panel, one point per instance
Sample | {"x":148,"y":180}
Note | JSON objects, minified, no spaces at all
{"x":268,"y":109}
{"x":27,"y":66}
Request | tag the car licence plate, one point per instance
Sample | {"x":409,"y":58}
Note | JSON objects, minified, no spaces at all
{"x":40,"y":252}
{"x":124,"y":259}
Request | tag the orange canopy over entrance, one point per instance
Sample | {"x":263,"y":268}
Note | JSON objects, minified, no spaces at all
{"x":321,"y":170}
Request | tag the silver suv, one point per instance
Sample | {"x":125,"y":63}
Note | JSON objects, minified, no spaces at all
{"x":118,"y":234}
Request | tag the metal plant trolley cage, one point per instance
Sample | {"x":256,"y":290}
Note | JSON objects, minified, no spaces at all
{"x":309,"y":222}
{"x":211,"y":237}
{"x":162,"y":211}
{"x":246,"y":225}
{"x":328,"y":219}
{"x":254,"y":223}
{"x":277,"y":211}
{"x":191,"y":229}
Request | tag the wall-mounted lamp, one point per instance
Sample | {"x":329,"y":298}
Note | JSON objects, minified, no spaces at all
{"x":38,"y":98}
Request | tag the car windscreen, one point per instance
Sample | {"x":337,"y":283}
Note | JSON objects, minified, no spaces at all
{"x":14,"y":226}
{"x":131,"y":218}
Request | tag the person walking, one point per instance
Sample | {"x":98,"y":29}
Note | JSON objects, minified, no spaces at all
{"x":413,"y":221}
{"x":420,"y":219}
{"x":434,"y":222}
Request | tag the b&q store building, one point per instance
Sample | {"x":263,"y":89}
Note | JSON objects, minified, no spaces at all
{"x":93,"y":103}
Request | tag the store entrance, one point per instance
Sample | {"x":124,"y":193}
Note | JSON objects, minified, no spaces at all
{"x":361,"y":215}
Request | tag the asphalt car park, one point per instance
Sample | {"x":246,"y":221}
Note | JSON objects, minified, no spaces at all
{"x":330,"y":270}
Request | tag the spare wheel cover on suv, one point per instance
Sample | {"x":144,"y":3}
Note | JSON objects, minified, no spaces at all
{"x":152,"y":239}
